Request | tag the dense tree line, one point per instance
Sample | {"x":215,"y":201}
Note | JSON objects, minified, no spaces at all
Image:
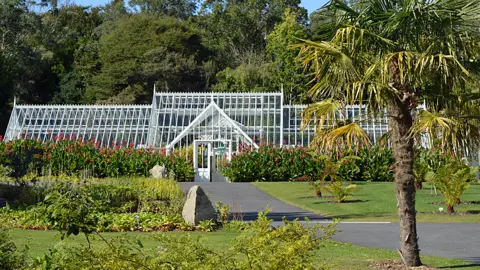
{"x":57,"y":53}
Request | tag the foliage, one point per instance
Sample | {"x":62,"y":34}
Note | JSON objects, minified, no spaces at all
{"x":10,"y":257}
{"x":339,"y":190}
{"x":136,"y":205}
{"x":270,"y":163}
{"x":393,"y":54}
{"x":142,"y":50}
{"x":254,"y":76}
{"x":34,"y":219}
{"x":259,"y":246}
{"x":179,"y":9}
{"x":429,"y":159}
{"x":223,"y":212}
{"x":290,"y":244}
{"x":74,"y":156}
{"x":452,"y":179}
{"x":287,"y":74}
{"x":236,"y":28}
{"x":207,"y":225}
{"x":71,"y":210}
{"x":374,"y":164}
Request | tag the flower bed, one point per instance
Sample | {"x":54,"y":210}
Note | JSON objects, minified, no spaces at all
{"x":72,"y":156}
{"x":270,"y":163}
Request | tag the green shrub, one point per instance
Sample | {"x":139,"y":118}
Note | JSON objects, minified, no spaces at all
{"x":426,"y":160}
{"x":339,"y":190}
{"x":373,"y":165}
{"x":71,"y":210}
{"x":452,"y":180}
{"x":223,"y":212}
{"x":75,"y":157}
{"x":259,"y":246}
{"x":10,"y":257}
{"x":271,"y":163}
{"x":78,"y":207}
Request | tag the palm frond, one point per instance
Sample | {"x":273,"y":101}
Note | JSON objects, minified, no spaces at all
{"x":319,"y":112}
{"x":345,"y":136}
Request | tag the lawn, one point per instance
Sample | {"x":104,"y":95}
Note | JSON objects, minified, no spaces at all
{"x":374,"y":202}
{"x":344,"y":256}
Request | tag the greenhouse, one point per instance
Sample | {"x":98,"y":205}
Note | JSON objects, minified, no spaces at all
{"x":214,"y":124}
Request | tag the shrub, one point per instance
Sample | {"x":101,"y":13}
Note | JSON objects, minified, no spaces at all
{"x":259,"y":246}
{"x":339,"y":190}
{"x":374,"y":164}
{"x":270,"y":163}
{"x":426,"y":160}
{"x":452,"y":180}
{"x":75,"y":157}
{"x":71,"y":210}
{"x":78,"y":207}
{"x":10,"y":257}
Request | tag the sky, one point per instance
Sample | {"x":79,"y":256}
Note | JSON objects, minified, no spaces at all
{"x":310,"y":5}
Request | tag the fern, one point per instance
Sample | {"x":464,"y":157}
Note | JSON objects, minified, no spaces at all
{"x":452,"y":180}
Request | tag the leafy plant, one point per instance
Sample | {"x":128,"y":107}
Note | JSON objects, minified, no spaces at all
{"x":75,"y":157}
{"x":452,"y":180}
{"x":71,"y":210}
{"x":223,"y":212}
{"x":339,"y":190}
{"x":259,"y":246}
{"x":331,"y":172}
{"x":207,"y":225}
{"x":10,"y":257}
{"x":270,"y":163}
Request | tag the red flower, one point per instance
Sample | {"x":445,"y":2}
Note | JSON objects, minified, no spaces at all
{"x":146,"y":161}
{"x":108,"y":160}
{"x":391,"y":167}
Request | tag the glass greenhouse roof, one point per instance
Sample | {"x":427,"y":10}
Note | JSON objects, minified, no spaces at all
{"x":178,"y":119}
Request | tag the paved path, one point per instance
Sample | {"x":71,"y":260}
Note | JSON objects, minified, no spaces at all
{"x":247,"y":200}
{"x":436,"y":239}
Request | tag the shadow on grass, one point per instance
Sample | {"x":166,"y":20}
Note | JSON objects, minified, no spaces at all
{"x":459,"y":266}
{"x":344,"y":202}
{"x":360,"y":215}
{"x":473,"y":212}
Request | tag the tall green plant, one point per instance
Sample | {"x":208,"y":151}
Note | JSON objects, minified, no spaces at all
{"x":452,"y":180}
{"x":393,"y":54}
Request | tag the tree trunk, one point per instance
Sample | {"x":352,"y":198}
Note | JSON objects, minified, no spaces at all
{"x":400,"y":122}
{"x":450,"y":209}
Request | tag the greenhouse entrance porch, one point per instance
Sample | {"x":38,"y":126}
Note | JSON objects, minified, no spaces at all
{"x":208,"y":157}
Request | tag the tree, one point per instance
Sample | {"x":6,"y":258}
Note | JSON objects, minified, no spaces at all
{"x":287,"y":68}
{"x":394,"y":54}
{"x":23,"y":68}
{"x":181,"y":9}
{"x":247,"y":77}
{"x":235,"y":28}
{"x":143,"y":50}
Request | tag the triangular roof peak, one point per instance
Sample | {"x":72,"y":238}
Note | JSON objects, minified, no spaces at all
{"x":209,"y":111}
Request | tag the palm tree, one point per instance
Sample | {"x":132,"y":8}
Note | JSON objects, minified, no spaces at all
{"x":391,"y":55}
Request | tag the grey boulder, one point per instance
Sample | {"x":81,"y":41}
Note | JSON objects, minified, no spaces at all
{"x":158,"y":172}
{"x":198,"y":206}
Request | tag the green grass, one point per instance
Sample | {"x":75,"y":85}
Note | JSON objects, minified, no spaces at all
{"x":344,"y":256}
{"x":373,"y":202}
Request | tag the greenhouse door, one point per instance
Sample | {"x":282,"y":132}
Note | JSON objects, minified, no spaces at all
{"x":202,"y":161}
{"x":208,"y":158}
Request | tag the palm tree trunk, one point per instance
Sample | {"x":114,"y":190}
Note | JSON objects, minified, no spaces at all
{"x":400,"y":122}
